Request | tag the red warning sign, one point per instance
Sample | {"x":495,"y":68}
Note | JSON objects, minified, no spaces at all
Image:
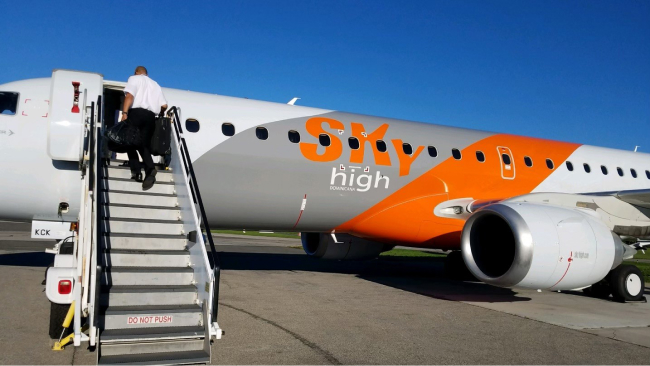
{"x":149,"y":319}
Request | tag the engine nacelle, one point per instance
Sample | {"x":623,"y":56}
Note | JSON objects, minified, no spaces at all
{"x":321,"y":245}
{"x":539,"y":246}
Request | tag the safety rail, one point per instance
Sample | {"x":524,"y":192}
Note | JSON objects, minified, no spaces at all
{"x":196,"y":196}
{"x":85,"y":246}
{"x":95,"y":270}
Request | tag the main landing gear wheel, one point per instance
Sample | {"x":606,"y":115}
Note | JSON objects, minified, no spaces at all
{"x":601,"y":289}
{"x":627,"y":283}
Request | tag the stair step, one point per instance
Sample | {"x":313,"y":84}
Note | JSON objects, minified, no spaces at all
{"x":129,"y":241}
{"x":148,"y":295}
{"x":146,"y":258}
{"x":118,"y":162}
{"x":121,"y":317}
{"x":150,"y":334}
{"x":143,"y":198}
{"x":136,"y":276}
{"x":171,"y":358}
{"x":114,"y":171}
{"x":127,"y":184}
{"x":142,"y":226}
{"x":180,"y":345}
{"x":113,"y":165}
{"x":134,"y":211}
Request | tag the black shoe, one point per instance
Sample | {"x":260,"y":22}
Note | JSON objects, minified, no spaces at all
{"x":136,"y":177}
{"x":149,"y":180}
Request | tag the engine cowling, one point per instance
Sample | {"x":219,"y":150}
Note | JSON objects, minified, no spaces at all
{"x":539,"y":246}
{"x":346,"y":247}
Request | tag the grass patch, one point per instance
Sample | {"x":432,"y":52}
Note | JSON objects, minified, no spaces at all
{"x":411,"y":253}
{"x":289,"y":235}
{"x":640,"y":255}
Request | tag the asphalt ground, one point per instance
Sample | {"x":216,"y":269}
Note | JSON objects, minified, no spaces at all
{"x":278,"y":306}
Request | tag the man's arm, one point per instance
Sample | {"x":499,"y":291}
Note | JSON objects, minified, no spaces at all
{"x":162,"y":100}
{"x":128,"y":102}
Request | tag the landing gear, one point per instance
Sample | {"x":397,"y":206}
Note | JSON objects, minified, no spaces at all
{"x":627,"y":283}
{"x":601,"y":289}
{"x":624,"y":283}
{"x":456,"y":269}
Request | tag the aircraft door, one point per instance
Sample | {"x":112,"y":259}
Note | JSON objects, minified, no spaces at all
{"x":507,"y":162}
{"x":71,"y":92}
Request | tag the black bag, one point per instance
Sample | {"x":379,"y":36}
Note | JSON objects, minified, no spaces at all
{"x":161,"y":140}
{"x":123,"y":135}
{"x":116,"y":147}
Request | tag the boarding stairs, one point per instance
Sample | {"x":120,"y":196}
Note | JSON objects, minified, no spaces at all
{"x":152,"y":298}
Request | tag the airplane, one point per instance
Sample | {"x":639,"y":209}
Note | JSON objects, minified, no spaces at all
{"x":516,"y":211}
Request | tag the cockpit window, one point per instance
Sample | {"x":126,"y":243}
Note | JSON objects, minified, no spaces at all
{"x":8,"y":103}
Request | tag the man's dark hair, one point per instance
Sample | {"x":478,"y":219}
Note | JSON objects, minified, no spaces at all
{"x":141,"y":70}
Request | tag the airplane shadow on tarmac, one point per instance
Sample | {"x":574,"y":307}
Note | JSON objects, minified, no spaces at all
{"x":423,"y":276}
{"x":27,"y":259}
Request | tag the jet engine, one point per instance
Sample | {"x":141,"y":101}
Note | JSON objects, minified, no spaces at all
{"x":539,"y":246}
{"x":341,"y":246}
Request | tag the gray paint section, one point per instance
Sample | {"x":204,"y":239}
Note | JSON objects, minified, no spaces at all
{"x":260,"y":184}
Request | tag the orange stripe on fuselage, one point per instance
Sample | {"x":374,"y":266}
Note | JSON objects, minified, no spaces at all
{"x":406,"y":217}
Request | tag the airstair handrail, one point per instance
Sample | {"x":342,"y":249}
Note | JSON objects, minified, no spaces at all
{"x":194,"y":186}
{"x":95,"y":270}
{"x":86,"y":226}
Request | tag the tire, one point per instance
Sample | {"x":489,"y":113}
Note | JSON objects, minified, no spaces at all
{"x":627,"y":283}
{"x":601,"y":289}
{"x":57,"y":316}
{"x":456,"y":269}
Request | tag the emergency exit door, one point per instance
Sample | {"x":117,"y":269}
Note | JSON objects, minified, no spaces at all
{"x":507,"y":162}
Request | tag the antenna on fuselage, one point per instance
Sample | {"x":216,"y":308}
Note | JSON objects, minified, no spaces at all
{"x":636,"y":147}
{"x":293,"y":101}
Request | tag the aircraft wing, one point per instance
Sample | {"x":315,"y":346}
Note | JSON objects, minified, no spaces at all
{"x":639,"y":197}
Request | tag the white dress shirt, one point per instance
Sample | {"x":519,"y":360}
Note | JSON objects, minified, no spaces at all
{"x":146,"y":93}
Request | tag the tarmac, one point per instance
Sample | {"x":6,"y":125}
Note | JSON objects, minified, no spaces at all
{"x":278,"y":306}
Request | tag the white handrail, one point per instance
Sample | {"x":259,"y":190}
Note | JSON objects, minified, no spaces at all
{"x":85,"y":253}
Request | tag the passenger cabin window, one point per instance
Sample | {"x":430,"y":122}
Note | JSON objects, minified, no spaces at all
{"x":8,"y":103}
{"x":433,"y":152}
{"x":633,"y":172}
{"x":192,"y":125}
{"x":569,"y":166}
{"x":262,"y":133}
{"x":528,"y":161}
{"x":408,"y":150}
{"x":506,"y":159}
{"x":604,"y":169}
{"x":549,"y":163}
{"x":324,"y":139}
{"x":381,"y":146}
{"x":294,"y":136}
{"x":456,"y":154}
{"x":619,"y":171}
{"x":480,"y":156}
{"x":353,"y":142}
{"x":228,"y":129}
{"x":587,"y":167}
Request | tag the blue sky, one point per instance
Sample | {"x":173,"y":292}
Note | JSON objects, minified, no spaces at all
{"x":569,"y":70}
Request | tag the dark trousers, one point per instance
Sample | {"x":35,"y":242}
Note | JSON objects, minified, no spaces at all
{"x":145,"y":121}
